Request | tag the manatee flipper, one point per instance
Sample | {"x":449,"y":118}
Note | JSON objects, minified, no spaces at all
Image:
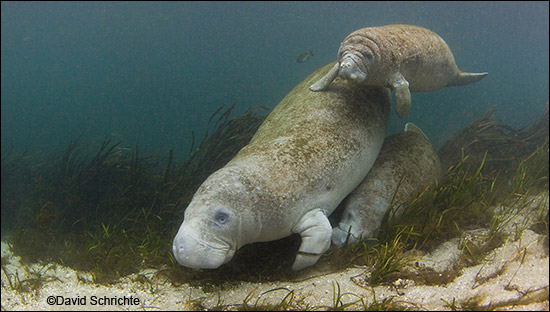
{"x":466,"y":78}
{"x":316,"y":232}
{"x":409,"y":126}
{"x":400,"y":86}
{"x":325,"y":81}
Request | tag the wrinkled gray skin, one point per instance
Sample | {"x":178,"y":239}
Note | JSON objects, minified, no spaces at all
{"x":403,"y":58}
{"x":407,"y":164}
{"x":310,"y":152}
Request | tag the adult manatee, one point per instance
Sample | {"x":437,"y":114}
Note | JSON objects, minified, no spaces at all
{"x":311,"y":151}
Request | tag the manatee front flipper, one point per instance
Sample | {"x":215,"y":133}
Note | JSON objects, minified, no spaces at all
{"x":466,"y":78}
{"x":323,"y":83}
{"x":400,"y":86}
{"x":316,"y":231}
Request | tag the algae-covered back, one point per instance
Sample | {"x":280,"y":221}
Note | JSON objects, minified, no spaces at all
{"x":309,"y":130}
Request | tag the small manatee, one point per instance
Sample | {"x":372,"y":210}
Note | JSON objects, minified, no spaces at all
{"x":403,"y":58}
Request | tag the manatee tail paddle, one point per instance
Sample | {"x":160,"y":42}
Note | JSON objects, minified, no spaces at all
{"x":466,"y":78}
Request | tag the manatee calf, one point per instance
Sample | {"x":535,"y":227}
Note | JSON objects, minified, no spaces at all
{"x":403,"y":58}
{"x":311,"y":151}
{"x":406,"y":164}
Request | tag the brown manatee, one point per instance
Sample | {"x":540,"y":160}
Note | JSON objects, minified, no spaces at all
{"x":403,"y":58}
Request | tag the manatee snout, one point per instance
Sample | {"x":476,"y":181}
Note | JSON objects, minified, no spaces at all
{"x":347,"y":231}
{"x":339,"y":236}
{"x":350,"y":69}
{"x":193,"y":252}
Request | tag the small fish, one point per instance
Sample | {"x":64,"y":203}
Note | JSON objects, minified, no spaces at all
{"x":304,"y":56}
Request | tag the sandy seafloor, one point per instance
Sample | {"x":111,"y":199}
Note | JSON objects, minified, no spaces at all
{"x":513,"y":276}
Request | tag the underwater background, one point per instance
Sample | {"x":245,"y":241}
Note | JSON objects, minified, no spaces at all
{"x":151,"y":73}
{"x":114,"y":113}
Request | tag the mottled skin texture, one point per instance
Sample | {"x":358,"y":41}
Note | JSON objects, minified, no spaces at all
{"x":403,"y":58}
{"x":311,"y":151}
{"x":407,"y":163}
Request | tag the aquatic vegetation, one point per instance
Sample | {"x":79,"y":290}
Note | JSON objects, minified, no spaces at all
{"x":504,"y":144}
{"x":217,"y":148}
{"x":437,"y":214}
{"x":108,"y":209}
{"x":465,"y":200}
{"x":288,"y":302}
{"x":33,"y":280}
{"x":341,"y":301}
{"x":112,"y":210}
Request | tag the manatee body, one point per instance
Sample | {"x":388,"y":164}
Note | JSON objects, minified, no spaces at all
{"x":406,"y":164}
{"x":311,"y":151}
{"x":403,"y":58}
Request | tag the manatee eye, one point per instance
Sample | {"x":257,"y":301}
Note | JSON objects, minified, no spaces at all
{"x":368,"y":56}
{"x":221,"y":217}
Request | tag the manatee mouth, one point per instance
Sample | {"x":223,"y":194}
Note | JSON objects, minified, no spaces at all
{"x":192,"y":252}
{"x":345,"y":233}
{"x":351,"y":69}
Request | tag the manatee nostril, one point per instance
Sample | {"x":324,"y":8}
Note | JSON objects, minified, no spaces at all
{"x":178,"y":247}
